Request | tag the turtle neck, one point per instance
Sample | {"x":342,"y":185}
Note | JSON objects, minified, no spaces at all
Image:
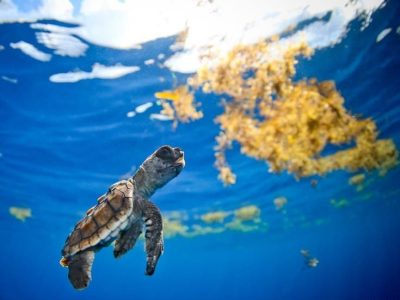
{"x":143,"y":184}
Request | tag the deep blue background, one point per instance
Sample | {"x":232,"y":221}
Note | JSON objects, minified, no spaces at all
{"x":62,"y":145}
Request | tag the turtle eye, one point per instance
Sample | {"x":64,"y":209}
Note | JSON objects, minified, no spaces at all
{"x":164,"y":152}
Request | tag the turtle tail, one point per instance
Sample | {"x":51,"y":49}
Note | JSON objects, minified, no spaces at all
{"x":79,"y":268}
{"x":64,"y":262}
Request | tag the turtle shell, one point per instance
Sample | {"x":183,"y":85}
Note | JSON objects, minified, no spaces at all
{"x":104,"y":221}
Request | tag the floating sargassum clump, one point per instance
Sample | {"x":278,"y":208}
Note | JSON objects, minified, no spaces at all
{"x":282,"y":122}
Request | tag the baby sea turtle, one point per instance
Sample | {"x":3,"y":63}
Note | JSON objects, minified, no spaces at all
{"x":120,"y":215}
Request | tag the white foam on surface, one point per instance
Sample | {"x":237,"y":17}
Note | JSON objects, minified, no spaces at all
{"x":31,"y":51}
{"x":62,"y":44}
{"x":219,"y":24}
{"x":130,"y":114}
{"x":160,"y":117}
{"x":149,"y":62}
{"x":139,"y":109}
{"x":9,"y":79}
{"x":61,"y":39}
{"x":383,"y":34}
{"x":47,"y":9}
{"x":142,"y":108}
{"x":98,"y":71}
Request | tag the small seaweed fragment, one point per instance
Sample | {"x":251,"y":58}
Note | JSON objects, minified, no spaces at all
{"x":173,"y":228}
{"x":179,"y":104}
{"x":204,"y":230}
{"x":247,"y":218}
{"x":248,"y":213}
{"x":20,"y":213}
{"x":280,"y":203}
{"x":214,"y":217}
{"x":239,"y":225}
{"x":357,"y":179}
{"x":225,"y":172}
{"x":341,"y":203}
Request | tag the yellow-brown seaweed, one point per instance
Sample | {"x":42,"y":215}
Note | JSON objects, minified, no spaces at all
{"x":342,"y":203}
{"x":280,"y":203}
{"x":238,"y":225}
{"x":357,"y":179}
{"x":204,"y":230}
{"x":244,"y":219}
{"x":181,"y":107}
{"x":20,"y":213}
{"x":173,"y":228}
{"x":248,"y":213}
{"x":214,"y":217}
{"x":285,"y":123}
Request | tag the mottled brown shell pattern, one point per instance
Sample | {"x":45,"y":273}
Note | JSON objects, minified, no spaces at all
{"x":104,"y":221}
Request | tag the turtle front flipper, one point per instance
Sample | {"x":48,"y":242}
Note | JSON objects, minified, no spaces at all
{"x":127,"y":239}
{"x":80,"y":269}
{"x":154,"y":237}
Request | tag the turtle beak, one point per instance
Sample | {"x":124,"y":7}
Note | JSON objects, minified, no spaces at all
{"x":179,"y":154}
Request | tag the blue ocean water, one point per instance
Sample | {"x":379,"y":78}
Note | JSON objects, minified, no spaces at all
{"x":62,"y":145}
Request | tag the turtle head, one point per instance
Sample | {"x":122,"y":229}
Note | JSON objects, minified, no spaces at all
{"x":162,"y":166}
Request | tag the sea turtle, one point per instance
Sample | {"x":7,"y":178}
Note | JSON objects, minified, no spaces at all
{"x":120,"y":215}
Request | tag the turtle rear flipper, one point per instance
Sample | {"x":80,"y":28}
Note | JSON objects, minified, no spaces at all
{"x":80,"y":269}
{"x":127,"y":239}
